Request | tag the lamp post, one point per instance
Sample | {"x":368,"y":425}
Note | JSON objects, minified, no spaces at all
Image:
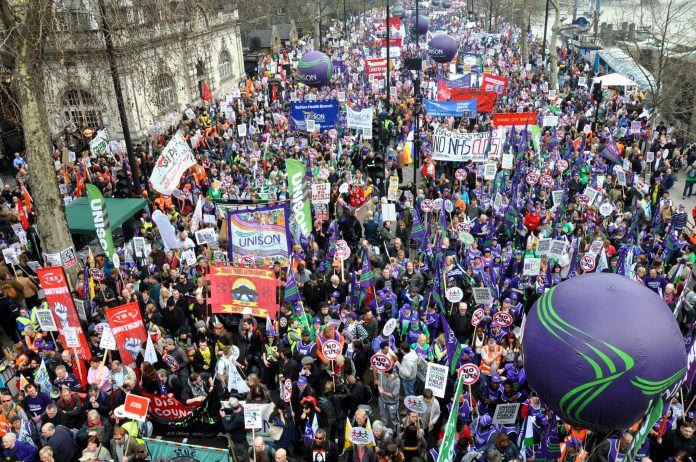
{"x":388,"y":64}
{"x":417,"y":94}
{"x":490,"y":16}
{"x":546,"y":25}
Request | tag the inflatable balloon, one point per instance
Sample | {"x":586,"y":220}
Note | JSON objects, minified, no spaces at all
{"x":421,"y":25}
{"x":446,"y":4}
{"x":599,"y":347}
{"x":442,"y":48}
{"x":435,"y":2}
{"x":314,"y":69}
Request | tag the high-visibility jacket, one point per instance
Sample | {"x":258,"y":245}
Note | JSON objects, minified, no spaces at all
{"x":497,"y":350}
{"x":579,"y":457}
{"x":5,"y":417}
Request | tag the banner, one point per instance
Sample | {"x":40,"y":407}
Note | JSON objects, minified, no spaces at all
{"x":128,"y":329}
{"x":460,"y":147}
{"x":376,"y":67}
{"x":260,"y":235}
{"x":99,"y":145}
{"x":176,"y":157}
{"x":468,"y":61}
{"x":514,"y":118}
{"x":465,"y":109}
{"x":461,"y":82}
{"x":299,"y":195}
{"x":393,"y":42}
{"x":494,"y":83}
{"x":167,"y":451}
{"x":359,"y":119}
{"x":201,"y":422}
{"x":167,"y":408}
{"x":323,"y":113}
{"x":232,"y":289}
{"x":55,"y":287}
{"x":100,"y":216}
{"x":485,"y":100}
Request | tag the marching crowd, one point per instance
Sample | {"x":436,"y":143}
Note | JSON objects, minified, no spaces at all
{"x":617,"y":205}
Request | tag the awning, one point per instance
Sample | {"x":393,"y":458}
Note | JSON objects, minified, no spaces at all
{"x":615,"y":80}
{"x":79,"y":214}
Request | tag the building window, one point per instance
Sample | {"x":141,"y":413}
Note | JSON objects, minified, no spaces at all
{"x":80,"y":108}
{"x":225,"y":64}
{"x":164,"y":91}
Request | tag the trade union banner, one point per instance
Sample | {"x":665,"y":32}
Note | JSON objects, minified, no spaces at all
{"x":514,"y":118}
{"x":202,"y":421}
{"x":460,"y":147}
{"x":451,"y":108}
{"x":176,"y":157}
{"x":166,"y":407}
{"x":494,"y":83}
{"x":167,"y":451}
{"x":259,"y":236}
{"x":376,"y":67}
{"x":299,"y":195}
{"x":235,"y":288}
{"x":485,"y":100}
{"x":359,"y":119}
{"x":461,"y":82}
{"x":55,"y":287}
{"x":323,"y":113}
{"x":128,"y":330}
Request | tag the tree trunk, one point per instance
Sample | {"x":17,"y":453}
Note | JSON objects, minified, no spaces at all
{"x":525,"y":34}
{"x":26,"y":83}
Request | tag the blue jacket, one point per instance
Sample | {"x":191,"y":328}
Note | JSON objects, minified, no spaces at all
{"x":23,"y":452}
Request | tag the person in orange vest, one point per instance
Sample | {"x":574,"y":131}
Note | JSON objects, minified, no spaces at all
{"x":31,"y":338}
{"x":568,"y":432}
{"x":490,"y":358}
{"x":572,"y":451}
{"x":9,"y":409}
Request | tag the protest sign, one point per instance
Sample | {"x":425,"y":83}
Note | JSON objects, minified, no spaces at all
{"x":482,"y":295}
{"x":460,"y":147}
{"x":436,"y":379}
{"x":506,"y":414}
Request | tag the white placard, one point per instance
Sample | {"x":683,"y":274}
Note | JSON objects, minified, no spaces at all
{"x":388,"y":212}
{"x":482,"y":295}
{"x":557,"y":249}
{"x":532,"y":266}
{"x":252,"y":416}
{"x":436,"y":379}
{"x":11,"y":257}
{"x":550,"y":121}
{"x":107,"y":342}
{"x":489,"y":171}
{"x":242,"y":130}
{"x":543,"y":246}
{"x":506,"y":414}
{"x":71,"y":339}
{"x":321,"y":193}
{"x":46,"y":320}
{"x":508,"y":159}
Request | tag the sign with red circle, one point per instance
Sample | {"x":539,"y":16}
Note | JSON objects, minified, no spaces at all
{"x":562,"y":165}
{"x":541,"y":280}
{"x":587,"y":263}
{"x":460,"y":174}
{"x":247,"y":262}
{"x":463,"y":228}
{"x":470,"y":373}
{"x":427,"y":205}
{"x":381,"y":362}
{"x":583,"y":199}
{"x":287,"y":390}
{"x":477,"y":317}
{"x":502,"y":318}
{"x":547,"y":181}
{"x":96,"y":274}
{"x":532,"y":178}
{"x":331,"y":349}
{"x":342,"y":250}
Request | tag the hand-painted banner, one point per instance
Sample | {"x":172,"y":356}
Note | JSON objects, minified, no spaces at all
{"x":100,"y":216}
{"x":55,"y":287}
{"x":393,"y":43}
{"x":232,"y":289}
{"x":201,"y":422}
{"x":494,"y":83}
{"x":376,"y":67}
{"x":128,"y":330}
{"x":469,"y":62}
{"x":166,"y":407}
{"x":160,"y":451}
{"x":359,"y":119}
{"x":451,"y":108}
{"x":460,"y":147}
{"x":485,"y":100}
{"x":299,"y":195}
{"x":461,"y":82}
{"x":514,"y":118}
{"x":175,"y":159}
{"x":260,"y":235}
{"x":323,"y":113}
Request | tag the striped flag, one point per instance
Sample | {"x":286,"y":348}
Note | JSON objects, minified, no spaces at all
{"x":291,"y":294}
{"x":447,"y":447}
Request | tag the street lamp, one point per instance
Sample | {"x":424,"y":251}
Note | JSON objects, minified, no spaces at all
{"x":546,"y":24}
{"x":388,"y":63}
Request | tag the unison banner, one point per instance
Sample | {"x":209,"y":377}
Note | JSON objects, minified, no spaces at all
{"x":323,"y":113}
{"x":259,"y":236}
{"x":176,"y":157}
{"x":451,"y":108}
{"x":100,"y":217}
{"x":299,"y":195}
{"x":233,"y":288}
{"x":55,"y":287}
{"x":460,"y":147}
{"x":514,"y":118}
{"x":485,"y":100}
{"x":494,"y":83}
{"x":376,"y":67}
{"x":359,"y":119}
{"x":128,"y":329}
{"x":461,"y":82}
{"x":167,"y":451}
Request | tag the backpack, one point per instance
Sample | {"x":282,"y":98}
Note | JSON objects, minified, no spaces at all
{"x":9,"y":291}
{"x":328,"y":411}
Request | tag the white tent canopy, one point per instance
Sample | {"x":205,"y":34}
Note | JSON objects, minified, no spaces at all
{"x":615,"y":80}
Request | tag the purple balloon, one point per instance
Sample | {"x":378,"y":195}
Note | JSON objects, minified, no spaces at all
{"x":421,"y":25}
{"x":442,"y":48}
{"x":599,"y":347}
{"x":314,"y":69}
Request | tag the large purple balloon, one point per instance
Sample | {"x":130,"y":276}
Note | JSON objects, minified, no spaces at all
{"x":314,"y":69}
{"x":599,"y":347}
{"x":421,"y":25}
{"x":442,"y":48}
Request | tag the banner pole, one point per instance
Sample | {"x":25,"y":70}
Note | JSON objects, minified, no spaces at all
{"x":77,"y":364}
{"x":253,"y":437}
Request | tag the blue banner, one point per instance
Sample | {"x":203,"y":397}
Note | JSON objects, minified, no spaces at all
{"x":462,"y":82}
{"x":465,"y":108}
{"x":161,"y":451}
{"x":323,"y":113}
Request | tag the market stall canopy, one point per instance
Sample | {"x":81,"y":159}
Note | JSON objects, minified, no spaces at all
{"x":79,"y":214}
{"x":615,"y":80}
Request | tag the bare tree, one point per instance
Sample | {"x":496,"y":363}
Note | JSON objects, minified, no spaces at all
{"x":557,"y":28}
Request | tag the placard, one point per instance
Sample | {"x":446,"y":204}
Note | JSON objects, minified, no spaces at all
{"x":206,"y":236}
{"x":321,"y":193}
{"x":482,"y":296}
{"x":252,"y":417}
{"x":242,"y":130}
{"x":489,"y":171}
{"x":506,"y":414}
{"x":107,"y":342}
{"x":532,"y":266}
{"x":393,"y":190}
{"x":135,"y":407}
{"x":557,"y":197}
{"x":46,"y":320}
{"x":436,"y":379}
{"x":71,"y":337}
{"x":557,"y":249}
{"x":543,"y":246}
{"x":389,"y":212}
{"x":550,"y":121}
{"x":507,"y":161}
{"x":10,"y":256}
{"x":68,"y":257}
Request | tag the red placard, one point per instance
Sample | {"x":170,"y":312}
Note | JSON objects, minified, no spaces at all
{"x":55,"y":286}
{"x":128,"y":329}
{"x":233,"y":289}
{"x":393,"y":42}
{"x":376,"y":67}
{"x":168,"y":408}
{"x":485,"y":100}
{"x":494,"y":83}
{"x":136,"y":406}
{"x":513,"y":118}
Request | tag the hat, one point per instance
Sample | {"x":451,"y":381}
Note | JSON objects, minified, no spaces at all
{"x":407,"y":306}
{"x":335,"y":294}
{"x":298,"y":309}
{"x":316,"y":320}
{"x":39,"y":343}
{"x":302,"y":381}
{"x":513,"y":295}
{"x":50,"y":346}
{"x":353,"y":316}
{"x":234,"y":403}
{"x":169,"y":342}
{"x":87,"y":456}
{"x":305,"y":333}
{"x":485,"y":420}
{"x":322,"y":266}
{"x":682,"y":205}
{"x":487,"y":250}
{"x":495,"y":378}
{"x":507,"y":300}
{"x":307,"y":360}
{"x":271,"y":332}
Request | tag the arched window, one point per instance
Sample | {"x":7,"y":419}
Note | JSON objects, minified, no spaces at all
{"x":164,"y":91}
{"x":225,"y":64}
{"x":80,"y":108}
